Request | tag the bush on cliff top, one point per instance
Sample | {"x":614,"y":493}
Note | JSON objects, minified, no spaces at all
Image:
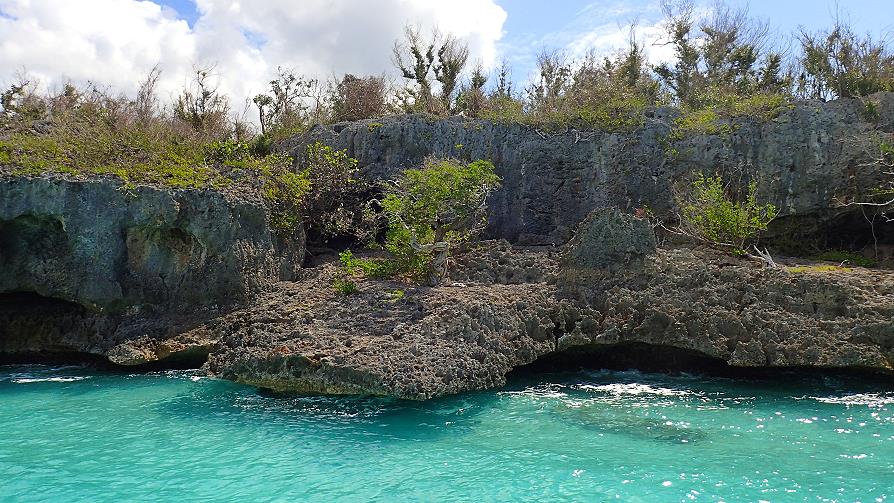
{"x":89,"y":132}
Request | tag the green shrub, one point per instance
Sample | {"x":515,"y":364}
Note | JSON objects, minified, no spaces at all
{"x":433,"y":208}
{"x":816,"y":269}
{"x":396,"y":295}
{"x":344,"y":286}
{"x":838,"y":63}
{"x":710,"y":214}
{"x":336,"y":205}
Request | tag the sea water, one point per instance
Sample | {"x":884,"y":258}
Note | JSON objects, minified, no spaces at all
{"x":75,"y":434}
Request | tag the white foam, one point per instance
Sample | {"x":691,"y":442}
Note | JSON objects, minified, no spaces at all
{"x":870,"y":399}
{"x":25,"y":380}
{"x":633,"y":389}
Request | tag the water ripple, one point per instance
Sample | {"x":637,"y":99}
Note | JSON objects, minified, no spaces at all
{"x":74,"y":434}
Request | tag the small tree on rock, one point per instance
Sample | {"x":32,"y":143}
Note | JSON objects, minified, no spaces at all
{"x":433,"y":208}
{"x":709,"y":213}
{"x":356,"y":98}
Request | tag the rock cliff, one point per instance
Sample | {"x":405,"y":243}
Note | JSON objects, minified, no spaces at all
{"x":806,"y":160}
{"x":107,"y":254}
{"x":140,"y":275}
{"x":698,"y":307}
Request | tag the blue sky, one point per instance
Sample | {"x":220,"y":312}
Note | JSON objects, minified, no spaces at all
{"x":532,"y":25}
{"x":540,"y":17}
{"x":553,"y":22}
{"x":117,"y":42}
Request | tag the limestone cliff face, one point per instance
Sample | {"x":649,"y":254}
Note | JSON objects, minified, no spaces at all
{"x":93,"y":243}
{"x":85,"y":263}
{"x":804,"y":160}
{"x":138,"y":275}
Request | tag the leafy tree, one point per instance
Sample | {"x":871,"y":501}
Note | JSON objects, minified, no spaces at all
{"x":839,"y":64}
{"x":414,"y":58}
{"x":423,"y":62}
{"x":717,"y":56}
{"x":471,"y":98}
{"x":433,"y":208}
{"x":283,"y":109}
{"x":708,"y":213}
{"x":452,"y":58}
{"x":548,"y":91}
{"x":504,"y":81}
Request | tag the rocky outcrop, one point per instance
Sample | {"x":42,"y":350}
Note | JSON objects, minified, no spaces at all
{"x":609,"y":288}
{"x":389,"y":339}
{"x":608,"y":240}
{"x":108,"y":262}
{"x":427,"y":342}
{"x":136,"y":275}
{"x":804,"y":159}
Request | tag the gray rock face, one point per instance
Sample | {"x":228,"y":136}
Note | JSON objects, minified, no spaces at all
{"x":803,"y":159}
{"x":609,"y":239}
{"x":95,"y":244}
{"x":86,"y":265}
{"x":736,"y":311}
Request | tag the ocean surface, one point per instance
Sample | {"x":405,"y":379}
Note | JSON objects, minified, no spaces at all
{"x":76,"y":434}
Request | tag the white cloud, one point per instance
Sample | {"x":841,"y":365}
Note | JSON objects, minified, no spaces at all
{"x":602,"y":26}
{"x":119,"y":41}
{"x":106,"y":41}
{"x":608,"y":39}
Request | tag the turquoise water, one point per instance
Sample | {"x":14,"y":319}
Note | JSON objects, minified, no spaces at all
{"x":75,"y":434}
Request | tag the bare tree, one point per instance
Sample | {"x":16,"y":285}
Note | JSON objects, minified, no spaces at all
{"x":202,"y":107}
{"x":452,"y":58}
{"x":443,"y":58}
{"x":146,"y":102}
{"x":355,"y":98}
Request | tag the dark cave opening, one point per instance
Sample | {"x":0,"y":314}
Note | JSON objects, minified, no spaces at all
{"x":40,"y":329}
{"x":627,"y":356}
{"x":856,"y":231}
{"x":663,"y":359}
{"x":35,"y":329}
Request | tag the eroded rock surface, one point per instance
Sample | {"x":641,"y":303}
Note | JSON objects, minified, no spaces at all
{"x":433,"y":341}
{"x":96,"y":243}
{"x":609,"y":240}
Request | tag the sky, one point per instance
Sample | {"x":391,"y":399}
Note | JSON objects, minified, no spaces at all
{"x":117,"y":42}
